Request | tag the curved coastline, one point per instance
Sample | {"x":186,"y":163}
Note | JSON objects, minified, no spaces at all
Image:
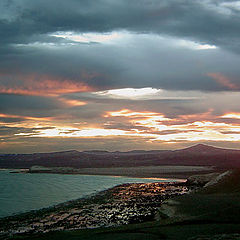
{"x":77,"y":192}
{"x":119,"y":205}
{"x":163,"y":171}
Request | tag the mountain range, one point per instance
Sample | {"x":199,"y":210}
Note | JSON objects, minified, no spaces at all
{"x":197,"y":155}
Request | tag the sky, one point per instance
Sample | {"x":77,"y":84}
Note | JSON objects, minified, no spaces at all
{"x":118,"y":74}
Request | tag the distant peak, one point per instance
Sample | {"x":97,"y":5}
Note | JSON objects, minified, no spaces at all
{"x":201,"y":148}
{"x":200,"y":145}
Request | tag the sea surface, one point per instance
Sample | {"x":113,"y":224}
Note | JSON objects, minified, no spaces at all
{"x":21,"y":192}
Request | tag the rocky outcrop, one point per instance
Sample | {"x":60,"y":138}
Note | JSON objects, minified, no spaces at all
{"x":201,"y":180}
{"x":196,"y":183}
{"x":218,"y":178}
{"x":167,"y":209}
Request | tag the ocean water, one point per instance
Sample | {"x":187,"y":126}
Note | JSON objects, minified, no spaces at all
{"x":24,"y":192}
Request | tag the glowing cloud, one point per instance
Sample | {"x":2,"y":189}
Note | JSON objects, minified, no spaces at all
{"x":88,"y":37}
{"x":74,"y":132}
{"x":25,"y":117}
{"x":147,"y":93}
{"x":42,"y":85}
{"x":129,"y":113}
{"x":130,"y":93}
{"x":224,"y":81}
{"x":200,"y":130}
{"x":72,"y":102}
{"x":231,"y":115}
{"x":155,"y":129}
{"x":150,"y":126}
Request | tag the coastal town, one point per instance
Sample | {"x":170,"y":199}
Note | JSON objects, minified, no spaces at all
{"x":120,"y":205}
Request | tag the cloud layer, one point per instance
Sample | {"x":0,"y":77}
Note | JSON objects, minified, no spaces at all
{"x":145,"y":74}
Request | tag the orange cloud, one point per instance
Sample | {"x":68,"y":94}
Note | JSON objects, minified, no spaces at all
{"x":195,"y":127}
{"x":224,"y":81}
{"x":2,"y":115}
{"x":41,"y":85}
{"x":231,"y":115}
{"x":195,"y":117}
{"x":72,"y":102}
{"x":75,"y":132}
{"x":129,"y":113}
{"x":196,"y":131}
{"x":150,"y":126}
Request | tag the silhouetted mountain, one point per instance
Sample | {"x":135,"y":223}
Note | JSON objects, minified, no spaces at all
{"x":96,"y":152}
{"x":200,"y":154}
{"x":202,"y":148}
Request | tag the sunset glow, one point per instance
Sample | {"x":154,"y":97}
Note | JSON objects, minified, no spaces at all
{"x":129,"y":92}
{"x":231,"y":115}
{"x":41,"y":85}
{"x":129,"y":113}
{"x":150,"y":126}
{"x":81,"y":75}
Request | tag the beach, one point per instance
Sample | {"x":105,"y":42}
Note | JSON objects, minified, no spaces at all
{"x":158,"y":172}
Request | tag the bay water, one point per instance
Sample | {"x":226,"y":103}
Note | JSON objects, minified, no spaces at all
{"x":24,"y":192}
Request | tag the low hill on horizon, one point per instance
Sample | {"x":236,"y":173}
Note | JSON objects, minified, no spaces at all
{"x":197,"y":155}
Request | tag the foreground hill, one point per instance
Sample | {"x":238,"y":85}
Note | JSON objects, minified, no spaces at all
{"x":198,"y":155}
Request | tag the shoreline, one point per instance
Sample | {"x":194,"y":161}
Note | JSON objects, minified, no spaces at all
{"x":116,"y":176}
{"x":120,"y":205}
{"x":168,"y":176}
{"x":175,"y":172}
{"x":92,"y":195}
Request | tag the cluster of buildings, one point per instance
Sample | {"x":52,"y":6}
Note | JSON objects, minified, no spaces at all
{"x":123,"y":204}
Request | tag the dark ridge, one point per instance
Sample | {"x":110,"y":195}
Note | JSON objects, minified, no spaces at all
{"x":96,"y":151}
{"x":197,"y":155}
{"x":205,"y":148}
{"x":200,"y":147}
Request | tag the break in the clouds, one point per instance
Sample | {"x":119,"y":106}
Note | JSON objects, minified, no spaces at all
{"x":118,"y":74}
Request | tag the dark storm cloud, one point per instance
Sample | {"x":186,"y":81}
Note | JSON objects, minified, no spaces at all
{"x":50,"y":74}
{"x":148,"y":63}
{"x":141,"y":60}
{"x":29,"y":102}
{"x":32,"y":106}
{"x":214,"y":22}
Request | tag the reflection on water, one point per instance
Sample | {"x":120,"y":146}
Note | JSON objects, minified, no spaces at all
{"x":24,"y":192}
